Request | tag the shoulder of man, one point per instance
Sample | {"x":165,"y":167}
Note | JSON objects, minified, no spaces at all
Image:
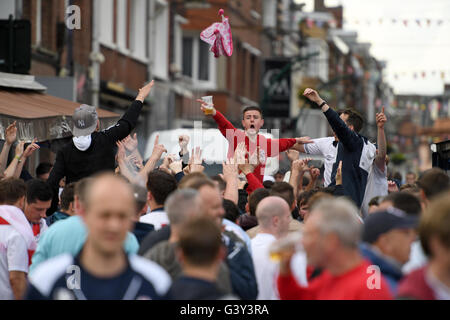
{"x":48,"y":273}
{"x":151,"y":272}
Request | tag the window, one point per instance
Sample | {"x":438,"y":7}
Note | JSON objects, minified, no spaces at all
{"x":121,"y":35}
{"x":187,"y":56}
{"x":198,"y":61}
{"x":203,"y":66}
{"x":138,"y":36}
{"x":318,"y":64}
{"x":107,"y":22}
{"x":7,"y":7}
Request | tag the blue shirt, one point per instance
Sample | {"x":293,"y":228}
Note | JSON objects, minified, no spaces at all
{"x":68,"y":236}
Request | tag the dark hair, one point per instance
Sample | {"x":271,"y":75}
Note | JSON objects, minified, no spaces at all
{"x":410,"y":187}
{"x":255,"y":198}
{"x":200,"y":240}
{"x":222,"y":183}
{"x":433,"y":182}
{"x":304,"y":197}
{"x":354,"y":119}
{"x":268,"y":184}
{"x":375,"y":201}
{"x":231,"y":210}
{"x":405,"y":201}
{"x":43,"y":168}
{"x":38,"y":190}
{"x":161,"y":185}
{"x":250,"y":108}
{"x":67,"y":196}
{"x":283,"y":190}
{"x":11,"y":190}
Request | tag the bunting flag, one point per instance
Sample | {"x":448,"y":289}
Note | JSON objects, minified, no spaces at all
{"x":418,"y":22}
{"x":405,"y":22}
{"x":309,"y":23}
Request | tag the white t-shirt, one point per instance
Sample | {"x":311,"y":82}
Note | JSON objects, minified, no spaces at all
{"x":265,"y":269}
{"x":377,"y":185}
{"x":324,"y":147}
{"x":13,"y":257}
{"x":158,"y":219}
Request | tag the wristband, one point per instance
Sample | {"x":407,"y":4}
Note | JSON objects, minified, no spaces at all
{"x":322,"y":104}
{"x":18,"y":159}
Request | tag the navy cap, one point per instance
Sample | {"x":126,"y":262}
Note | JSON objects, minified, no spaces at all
{"x":381,"y":222}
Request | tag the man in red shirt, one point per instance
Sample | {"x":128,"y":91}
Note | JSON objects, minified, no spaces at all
{"x":252,"y":121}
{"x":330,"y":240}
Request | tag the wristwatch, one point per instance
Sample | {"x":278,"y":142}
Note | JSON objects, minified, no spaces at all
{"x":322,"y":104}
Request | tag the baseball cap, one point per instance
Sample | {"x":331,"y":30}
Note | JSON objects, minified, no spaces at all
{"x":84,"y":120}
{"x":384,"y":221}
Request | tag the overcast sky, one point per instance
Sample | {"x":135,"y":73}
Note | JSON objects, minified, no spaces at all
{"x":407,"y":50}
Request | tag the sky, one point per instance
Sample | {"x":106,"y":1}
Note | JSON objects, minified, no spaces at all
{"x":408,"y":50}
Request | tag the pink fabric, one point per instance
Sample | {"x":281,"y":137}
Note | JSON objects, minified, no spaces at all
{"x":16,"y":218}
{"x":218,"y":36}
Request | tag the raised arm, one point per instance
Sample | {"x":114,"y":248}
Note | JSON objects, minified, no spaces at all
{"x":220,"y":119}
{"x":129,"y":120}
{"x":380,"y":159}
{"x":10,"y":137}
{"x":275,"y":146}
{"x":347,"y":136}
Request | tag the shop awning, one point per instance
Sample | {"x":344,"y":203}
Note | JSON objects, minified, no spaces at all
{"x":40,"y":115}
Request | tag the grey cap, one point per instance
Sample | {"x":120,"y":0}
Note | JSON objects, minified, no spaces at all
{"x":84,"y":120}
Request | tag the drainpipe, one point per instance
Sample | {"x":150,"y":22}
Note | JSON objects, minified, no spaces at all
{"x":95,"y":56}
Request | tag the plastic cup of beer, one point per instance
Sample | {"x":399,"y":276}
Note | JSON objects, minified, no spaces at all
{"x":287,"y":245}
{"x":209,"y":109}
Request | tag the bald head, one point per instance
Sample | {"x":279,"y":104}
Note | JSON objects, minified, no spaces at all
{"x":108,"y":213}
{"x":273,"y":216}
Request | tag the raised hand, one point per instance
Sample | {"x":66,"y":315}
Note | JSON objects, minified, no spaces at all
{"x":195,"y":162}
{"x":315,"y":173}
{"x":158,"y":149}
{"x":130,"y":143}
{"x":176,"y":166}
{"x":145,"y":91}
{"x":300,"y":165}
{"x":183,"y":141}
{"x":204,"y":106}
{"x":312,"y":95}
{"x":11,"y":133}
{"x":381,"y":119}
{"x":30,"y":149}
{"x":230,"y":170}
{"x":392,"y":186}
{"x":19,"y":149}
{"x":120,"y":151}
{"x":292,"y":154}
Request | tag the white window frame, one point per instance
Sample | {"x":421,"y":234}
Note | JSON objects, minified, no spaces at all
{"x":138,"y":33}
{"x":211,"y":83}
{"x":161,"y":41}
{"x":178,"y":42}
{"x":122,"y":23}
{"x":107,"y":40}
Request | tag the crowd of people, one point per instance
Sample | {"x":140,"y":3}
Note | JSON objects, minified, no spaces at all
{"x":102,"y":223}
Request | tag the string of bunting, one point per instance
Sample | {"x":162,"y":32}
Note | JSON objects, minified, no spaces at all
{"x":422,"y":22}
{"x":421,"y":74}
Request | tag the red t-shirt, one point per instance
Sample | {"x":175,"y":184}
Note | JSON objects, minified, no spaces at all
{"x":267,"y":147}
{"x":352,"y":285}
